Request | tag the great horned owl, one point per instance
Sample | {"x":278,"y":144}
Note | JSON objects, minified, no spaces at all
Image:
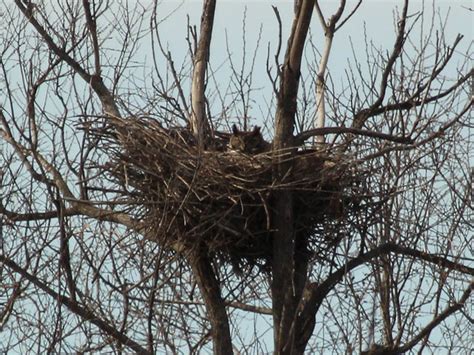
{"x":248,"y":142}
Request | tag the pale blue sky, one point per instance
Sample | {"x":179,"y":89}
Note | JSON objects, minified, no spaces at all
{"x":375,"y":16}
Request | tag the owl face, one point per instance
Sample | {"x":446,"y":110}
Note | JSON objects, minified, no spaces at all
{"x":247,"y":142}
{"x":237,"y":143}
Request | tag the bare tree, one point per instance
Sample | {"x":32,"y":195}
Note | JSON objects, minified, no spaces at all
{"x":132,"y":219}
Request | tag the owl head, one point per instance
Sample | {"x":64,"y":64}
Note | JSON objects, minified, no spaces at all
{"x":247,"y":142}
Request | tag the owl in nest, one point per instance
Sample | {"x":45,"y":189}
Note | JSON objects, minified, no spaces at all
{"x":248,"y":142}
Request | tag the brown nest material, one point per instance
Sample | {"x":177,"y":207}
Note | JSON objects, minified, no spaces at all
{"x":218,"y":199}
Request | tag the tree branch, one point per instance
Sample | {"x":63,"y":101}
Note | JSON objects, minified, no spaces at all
{"x":83,"y":312}
{"x":413,"y":101}
{"x":91,"y":25}
{"x":316,"y":293}
{"x":215,"y":305}
{"x":199,"y":123}
{"x":363,"y":115}
{"x":329,"y":30}
{"x":300,"y":138}
{"x":386,"y":350}
{"x":96,"y":82}
{"x":289,"y":271}
{"x":250,"y":308}
{"x":437,"y":320}
{"x":289,"y":80}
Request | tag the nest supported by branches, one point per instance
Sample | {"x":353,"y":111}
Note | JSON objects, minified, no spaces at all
{"x":217,"y":199}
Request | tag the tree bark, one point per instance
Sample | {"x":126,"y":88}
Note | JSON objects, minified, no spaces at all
{"x":215,"y":305}
{"x":199,"y":123}
{"x":329,"y":30}
{"x":288,"y":278}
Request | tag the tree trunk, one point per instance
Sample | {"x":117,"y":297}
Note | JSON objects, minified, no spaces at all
{"x":215,"y":305}
{"x":289,"y":271}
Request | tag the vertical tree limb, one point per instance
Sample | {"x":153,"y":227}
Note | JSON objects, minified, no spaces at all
{"x":199,"y":123}
{"x":92,"y":27}
{"x":287,"y":287}
{"x":290,"y":75}
{"x":215,"y":305}
{"x":329,"y":30}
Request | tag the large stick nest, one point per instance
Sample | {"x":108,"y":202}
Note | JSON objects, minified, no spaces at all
{"x":217,"y":199}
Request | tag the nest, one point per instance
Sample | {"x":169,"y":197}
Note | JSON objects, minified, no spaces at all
{"x":216,"y":199}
